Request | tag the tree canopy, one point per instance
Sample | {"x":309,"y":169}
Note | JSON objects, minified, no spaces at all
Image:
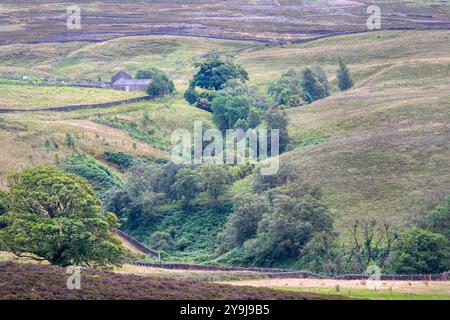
{"x":161,"y":84}
{"x":345,"y":80}
{"x":296,"y":88}
{"x":439,"y":219}
{"x":55,"y":216}
{"x":213,"y":74}
{"x":421,"y":251}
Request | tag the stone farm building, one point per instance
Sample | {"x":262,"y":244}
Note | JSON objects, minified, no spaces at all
{"x":124,"y":81}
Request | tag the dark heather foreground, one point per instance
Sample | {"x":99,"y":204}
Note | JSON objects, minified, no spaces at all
{"x":43,"y":282}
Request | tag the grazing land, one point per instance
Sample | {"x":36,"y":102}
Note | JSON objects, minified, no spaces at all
{"x":262,"y":20}
{"x":23,"y":97}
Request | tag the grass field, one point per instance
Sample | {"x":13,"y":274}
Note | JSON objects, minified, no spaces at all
{"x":38,"y":97}
{"x":39,"y":138}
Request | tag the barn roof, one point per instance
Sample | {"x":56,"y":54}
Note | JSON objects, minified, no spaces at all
{"x":120,"y":75}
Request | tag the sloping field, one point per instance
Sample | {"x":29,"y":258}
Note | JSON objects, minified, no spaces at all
{"x":379,"y":149}
{"x":138,"y":129}
{"x":30,"y":281}
{"x":263,"y":20}
{"x":39,"y":97}
{"x":174,"y":55}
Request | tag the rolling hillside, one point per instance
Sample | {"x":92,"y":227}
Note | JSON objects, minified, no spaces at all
{"x":380,"y":148}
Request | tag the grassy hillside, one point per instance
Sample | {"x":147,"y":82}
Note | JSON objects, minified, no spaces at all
{"x":380,"y":148}
{"x":39,"y":97}
{"x":265,"y":20}
{"x":174,"y":55}
{"x":39,"y":138}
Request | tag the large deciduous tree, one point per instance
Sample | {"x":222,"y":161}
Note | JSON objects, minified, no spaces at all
{"x":55,"y":216}
{"x":421,"y":251}
{"x":213,"y":75}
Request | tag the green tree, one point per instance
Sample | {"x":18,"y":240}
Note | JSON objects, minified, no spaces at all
{"x":214,"y":179}
{"x":55,"y":216}
{"x":439,"y":219}
{"x":276,"y":118}
{"x":421,"y":251}
{"x":228,"y":110}
{"x":161,"y":84}
{"x":215,"y":72}
{"x":288,"y":89}
{"x":291,"y":224}
{"x":321,"y":254}
{"x":315,"y":85}
{"x":213,"y":75}
{"x":4,"y":202}
{"x":243,"y":221}
{"x":345,"y":81}
{"x":162,"y":241}
{"x":188,"y":183}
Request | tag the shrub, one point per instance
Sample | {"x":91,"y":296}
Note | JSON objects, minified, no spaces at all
{"x":122,"y":160}
{"x":100,"y":176}
{"x":162,"y":241}
{"x":161,"y":84}
{"x":421,"y":251}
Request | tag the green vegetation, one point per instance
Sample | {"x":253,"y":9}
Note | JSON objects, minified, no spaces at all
{"x":97,"y":174}
{"x":439,"y":219}
{"x":228,"y":110}
{"x":122,"y":160}
{"x":345,"y":81}
{"x":296,"y":88}
{"x":421,"y":251}
{"x":55,"y":217}
{"x":350,"y":145}
{"x":161,"y":84}
{"x":213,"y":75}
{"x":288,"y":89}
{"x":39,"y":97}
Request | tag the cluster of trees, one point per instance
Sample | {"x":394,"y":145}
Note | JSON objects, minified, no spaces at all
{"x":272,"y":225}
{"x":212,"y":76}
{"x":296,"y":88}
{"x":156,"y":191}
{"x":284,"y":223}
{"x":152,"y":186}
{"x":161,"y":84}
{"x":51,"y":215}
{"x":219,"y":87}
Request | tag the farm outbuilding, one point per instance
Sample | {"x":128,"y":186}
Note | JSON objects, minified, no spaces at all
{"x":125,"y":82}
